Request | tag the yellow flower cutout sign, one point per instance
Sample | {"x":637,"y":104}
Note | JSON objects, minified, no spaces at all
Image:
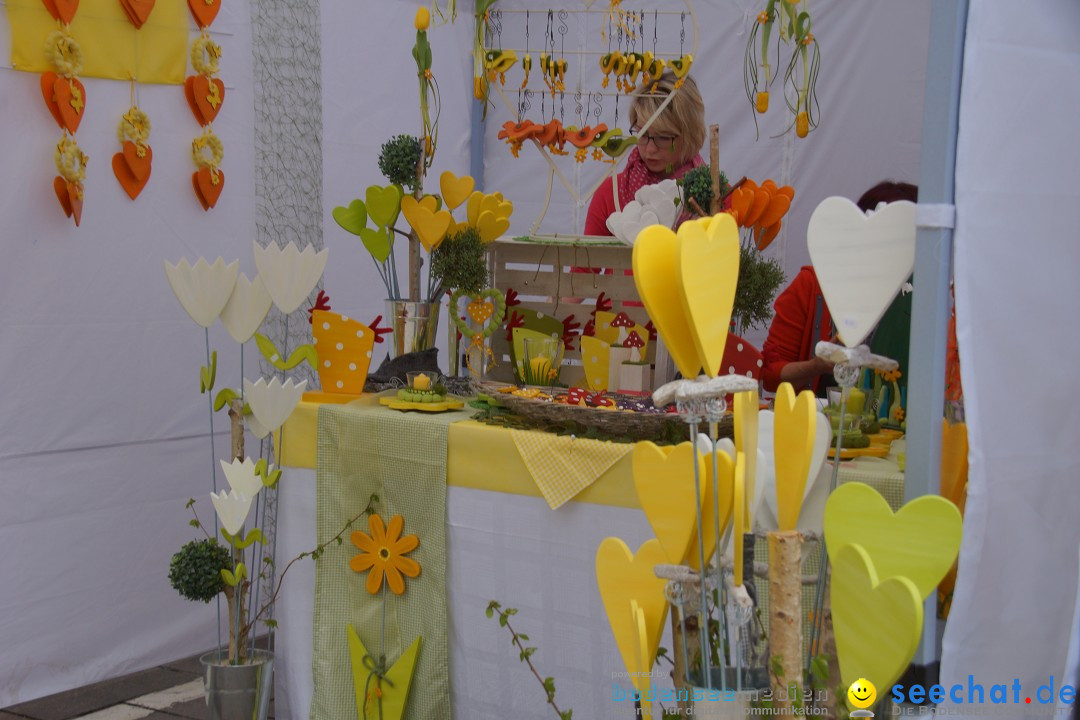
{"x":383,"y":554}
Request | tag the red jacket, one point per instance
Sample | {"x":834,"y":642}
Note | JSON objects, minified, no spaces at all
{"x":791,"y":335}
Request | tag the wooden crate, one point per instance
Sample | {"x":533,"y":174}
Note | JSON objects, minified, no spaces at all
{"x":541,"y":273}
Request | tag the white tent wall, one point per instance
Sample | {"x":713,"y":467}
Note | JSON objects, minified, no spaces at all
{"x":103,"y":433}
{"x":873,"y":65}
{"x":1018,"y":210}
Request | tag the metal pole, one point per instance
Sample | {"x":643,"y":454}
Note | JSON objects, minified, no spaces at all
{"x":933,"y":270}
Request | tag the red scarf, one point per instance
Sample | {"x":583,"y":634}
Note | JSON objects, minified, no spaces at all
{"x":637,"y":175}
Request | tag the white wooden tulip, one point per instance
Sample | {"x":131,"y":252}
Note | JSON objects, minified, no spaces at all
{"x":202,"y":289}
{"x":246,"y":309}
{"x":289,"y":274}
{"x":242,"y":477}
{"x":232,"y":509}
{"x":273,"y":402}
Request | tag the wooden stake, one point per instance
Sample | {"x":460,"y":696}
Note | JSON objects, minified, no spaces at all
{"x":785,"y":617}
{"x":236,"y":418}
{"x":714,"y":166}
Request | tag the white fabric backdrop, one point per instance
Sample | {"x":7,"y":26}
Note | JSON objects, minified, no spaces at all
{"x":103,"y":434}
{"x":1018,"y":209}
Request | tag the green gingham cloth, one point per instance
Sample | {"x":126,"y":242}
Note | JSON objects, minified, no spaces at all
{"x":373,"y":450}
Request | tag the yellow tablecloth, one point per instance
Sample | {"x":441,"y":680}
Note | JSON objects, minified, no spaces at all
{"x":478,"y":456}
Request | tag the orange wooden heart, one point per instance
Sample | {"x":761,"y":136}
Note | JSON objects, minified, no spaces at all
{"x":51,"y":7}
{"x":48,"y":79}
{"x":138,"y":165}
{"x":138,"y":11}
{"x":204,"y":11}
{"x":209,"y":96}
{"x":206,"y":189}
{"x":131,"y":184}
{"x":60,"y":188}
{"x":70,"y":101}
{"x":189,"y":93}
{"x":65,"y":11}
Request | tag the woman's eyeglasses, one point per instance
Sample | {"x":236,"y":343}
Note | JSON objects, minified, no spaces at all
{"x":660,"y":142}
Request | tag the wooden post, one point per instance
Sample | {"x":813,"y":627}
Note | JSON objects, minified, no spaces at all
{"x":714,"y":166}
{"x":785,"y":618}
{"x":236,"y":418}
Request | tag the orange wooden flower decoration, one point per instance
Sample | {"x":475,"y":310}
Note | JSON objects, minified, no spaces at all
{"x":383,"y":554}
{"x":517,"y":132}
{"x":583,"y":137}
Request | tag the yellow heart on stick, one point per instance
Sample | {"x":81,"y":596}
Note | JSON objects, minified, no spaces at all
{"x":876,"y":623}
{"x":708,"y":272}
{"x":919,"y":541}
{"x":655,"y":263}
{"x":455,"y":190}
{"x":746,"y":439}
{"x":795,"y":424}
{"x":430,"y":227}
{"x":490,"y":227}
{"x":479,"y":202}
{"x":622,"y":577}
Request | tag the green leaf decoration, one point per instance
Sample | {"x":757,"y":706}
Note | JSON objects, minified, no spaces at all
{"x":377,"y":242}
{"x":271,"y":480}
{"x":207,"y":375}
{"x":225,"y":397}
{"x":299,"y":355}
{"x":228,"y":577}
{"x":252,"y":537}
{"x":241,"y":572}
{"x":353,"y":218}
{"x":383,"y":204}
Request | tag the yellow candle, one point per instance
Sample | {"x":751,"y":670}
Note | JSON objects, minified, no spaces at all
{"x":856,"y":401}
{"x":421,"y":382}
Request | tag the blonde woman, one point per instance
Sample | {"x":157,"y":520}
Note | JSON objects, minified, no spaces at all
{"x":668,"y":149}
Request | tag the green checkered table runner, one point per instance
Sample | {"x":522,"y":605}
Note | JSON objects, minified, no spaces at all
{"x":373,"y":450}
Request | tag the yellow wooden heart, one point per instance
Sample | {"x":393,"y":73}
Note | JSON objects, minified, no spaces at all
{"x":739,"y":504}
{"x":430,"y":227}
{"x":455,"y":190}
{"x":664,"y":480}
{"x":876,"y":623}
{"x":495,"y":205}
{"x":490,"y":226}
{"x":655,"y":265}
{"x":622,"y":577}
{"x":642,"y":661}
{"x":919,"y":541}
{"x":708,"y":271}
{"x":430,"y":202}
{"x":472,"y":207}
{"x":794,"y":425}
{"x":746,"y":440}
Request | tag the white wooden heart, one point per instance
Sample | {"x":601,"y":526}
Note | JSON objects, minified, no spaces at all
{"x":861,"y":262}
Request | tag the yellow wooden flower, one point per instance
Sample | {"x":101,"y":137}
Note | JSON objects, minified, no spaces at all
{"x":383,"y":553}
{"x":422,"y":19}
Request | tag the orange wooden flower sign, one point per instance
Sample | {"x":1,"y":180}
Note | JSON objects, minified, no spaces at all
{"x":138,"y":11}
{"x":65,"y":98}
{"x":204,"y":11}
{"x":208,"y":186}
{"x":70,"y":197}
{"x":62,"y":10}
{"x":131,"y":169}
{"x":205,"y":97}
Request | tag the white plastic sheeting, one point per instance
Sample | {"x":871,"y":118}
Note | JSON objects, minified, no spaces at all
{"x":1018,"y":210}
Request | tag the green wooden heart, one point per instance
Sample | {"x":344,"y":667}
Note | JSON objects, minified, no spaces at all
{"x":377,"y":242}
{"x":488,"y":325}
{"x":352,"y":218}
{"x":383,"y":204}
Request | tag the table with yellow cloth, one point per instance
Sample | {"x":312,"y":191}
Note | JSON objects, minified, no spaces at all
{"x":505,"y":543}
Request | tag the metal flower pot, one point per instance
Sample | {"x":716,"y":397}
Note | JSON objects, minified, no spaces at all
{"x":414,"y":325}
{"x":238,"y":692}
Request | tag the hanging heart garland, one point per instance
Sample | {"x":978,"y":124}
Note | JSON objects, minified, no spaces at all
{"x":71,"y":164}
{"x":486,"y":309}
{"x":132,"y":164}
{"x":209,"y":180}
{"x":205,"y":93}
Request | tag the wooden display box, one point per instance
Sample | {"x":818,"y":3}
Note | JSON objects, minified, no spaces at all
{"x":553,"y":276}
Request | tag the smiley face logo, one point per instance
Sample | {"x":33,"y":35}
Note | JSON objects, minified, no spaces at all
{"x":862,"y":693}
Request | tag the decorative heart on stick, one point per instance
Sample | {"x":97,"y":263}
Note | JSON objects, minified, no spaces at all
{"x":793,"y":447}
{"x":352,"y":218}
{"x":861,"y":262}
{"x":655,"y":263}
{"x":708,"y":273}
{"x":920,"y":541}
{"x":877,"y":623}
{"x":623,"y":577}
{"x":664,"y":480}
{"x":383,"y":204}
{"x":490,"y":226}
{"x":486,"y":309}
{"x":455,"y":190}
{"x":431,"y":227}
{"x":207,"y":187}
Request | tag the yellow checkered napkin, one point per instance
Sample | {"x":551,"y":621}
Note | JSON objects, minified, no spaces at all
{"x":561,"y":465}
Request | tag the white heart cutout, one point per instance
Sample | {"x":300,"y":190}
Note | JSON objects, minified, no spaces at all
{"x":861,"y":262}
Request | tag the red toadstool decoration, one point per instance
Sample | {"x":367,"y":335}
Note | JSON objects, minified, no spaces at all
{"x":622,"y":321}
{"x":635,"y":343}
